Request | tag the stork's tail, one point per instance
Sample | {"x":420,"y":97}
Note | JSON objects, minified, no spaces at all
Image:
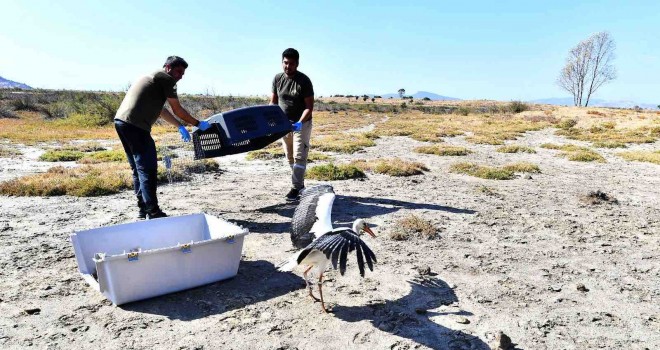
{"x":289,"y":264}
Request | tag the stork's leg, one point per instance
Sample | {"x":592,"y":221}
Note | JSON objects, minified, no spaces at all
{"x":309,"y":286}
{"x":321,"y":292}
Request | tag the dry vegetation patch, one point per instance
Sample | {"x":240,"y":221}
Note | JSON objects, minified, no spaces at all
{"x":392,"y":167}
{"x":343,"y":143}
{"x":576,"y":153}
{"x":484,"y":172}
{"x":7,"y":152}
{"x":278,"y":153}
{"x":92,"y":180}
{"x":610,"y":144}
{"x":443,"y":150}
{"x":642,"y":156}
{"x":523,"y":167}
{"x":331,"y":172}
{"x":413,"y":226}
{"x":515,"y":149}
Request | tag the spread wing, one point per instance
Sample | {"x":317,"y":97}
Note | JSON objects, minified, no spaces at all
{"x":337,"y":244}
{"x":313,"y":215}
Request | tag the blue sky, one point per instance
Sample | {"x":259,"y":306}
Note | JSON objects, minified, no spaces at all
{"x":500,"y":50}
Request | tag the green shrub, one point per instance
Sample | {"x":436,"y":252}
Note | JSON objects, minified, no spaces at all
{"x":117,"y":155}
{"x":567,"y":123}
{"x":61,"y":156}
{"x":517,"y":106}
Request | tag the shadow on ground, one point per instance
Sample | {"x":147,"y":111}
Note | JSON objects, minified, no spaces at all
{"x":256,"y":281}
{"x":408,"y":316}
{"x":344,"y":211}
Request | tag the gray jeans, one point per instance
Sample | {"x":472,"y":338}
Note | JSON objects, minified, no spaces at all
{"x":296,"y":147}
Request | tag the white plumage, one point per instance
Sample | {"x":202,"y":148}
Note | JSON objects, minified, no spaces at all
{"x":329,"y":246}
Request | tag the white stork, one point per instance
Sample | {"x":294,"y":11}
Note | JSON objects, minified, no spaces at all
{"x":312,"y":229}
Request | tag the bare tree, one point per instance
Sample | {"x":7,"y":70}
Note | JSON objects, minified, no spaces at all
{"x":402,"y":92}
{"x":588,"y":67}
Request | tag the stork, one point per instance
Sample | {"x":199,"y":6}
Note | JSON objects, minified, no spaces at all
{"x":323,"y":245}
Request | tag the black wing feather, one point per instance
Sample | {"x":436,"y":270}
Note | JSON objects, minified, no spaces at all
{"x":336,"y":246}
{"x":343,"y":257}
{"x":360,"y":258}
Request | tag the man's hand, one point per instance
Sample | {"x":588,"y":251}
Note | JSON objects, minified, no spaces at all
{"x":184,"y":133}
{"x":203,"y":125}
{"x":297,"y":126}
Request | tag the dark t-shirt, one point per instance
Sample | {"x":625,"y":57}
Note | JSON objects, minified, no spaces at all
{"x":291,"y":93}
{"x":145,"y":99}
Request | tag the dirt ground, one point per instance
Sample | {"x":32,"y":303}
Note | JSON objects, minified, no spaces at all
{"x":528,"y":258}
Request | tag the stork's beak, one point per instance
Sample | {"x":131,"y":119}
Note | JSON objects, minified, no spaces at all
{"x":368,"y":230}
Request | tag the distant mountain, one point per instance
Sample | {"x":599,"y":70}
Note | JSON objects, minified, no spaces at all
{"x":421,"y":94}
{"x":8,"y":84}
{"x":568,"y":101}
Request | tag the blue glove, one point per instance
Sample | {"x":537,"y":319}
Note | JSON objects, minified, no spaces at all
{"x":297,"y":126}
{"x":184,"y":133}
{"x":203,"y":125}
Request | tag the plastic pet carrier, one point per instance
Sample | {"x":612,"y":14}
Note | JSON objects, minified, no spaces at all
{"x":241,"y":130}
{"x":140,"y":260}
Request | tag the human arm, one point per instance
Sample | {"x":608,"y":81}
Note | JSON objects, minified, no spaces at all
{"x":273,"y":98}
{"x":181,"y":112}
{"x":309,"y":107}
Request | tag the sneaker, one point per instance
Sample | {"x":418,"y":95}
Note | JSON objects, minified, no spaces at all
{"x":142,"y":214}
{"x":293,"y":195}
{"x":156,"y":215}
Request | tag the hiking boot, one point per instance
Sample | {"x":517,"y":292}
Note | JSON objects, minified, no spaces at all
{"x":156,"y":215}
{"x":142,"y":212}
{"x":293,"y":195}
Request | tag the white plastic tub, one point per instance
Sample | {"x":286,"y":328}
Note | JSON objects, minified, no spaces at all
{"x":149,"y":258}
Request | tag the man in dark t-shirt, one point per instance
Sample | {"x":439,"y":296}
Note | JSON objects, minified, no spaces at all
{"x":143,"y":104}
{"x":293,"y":92}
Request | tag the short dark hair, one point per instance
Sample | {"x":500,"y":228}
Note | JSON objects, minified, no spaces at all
{"x":291,"y":54}
{"x":175,"y":61}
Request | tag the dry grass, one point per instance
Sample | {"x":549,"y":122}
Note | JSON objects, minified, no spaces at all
{"x":278,"y":153}
{"x":332,"y":172}
{"x":489,"y":129}
{"x":583,"y":156}
{"x":343,"y":143}
{"x":7,"y":152}
{"x":642,"y":156}
{"x":610,"y":144}
{"x":523,"y":167}
{"x":88,"y":180}
{"x":484,"y":172}
{"x":391,"y":167}
{"x":485,"y":140}
{"x":515,"y":149}
{"x":443,"y":150}
{"x":413,"y":226}
{"x":576,"y":153}
{"x":489,"y":191}
{"x":31,"y":128}
{"x":84,"y":147}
